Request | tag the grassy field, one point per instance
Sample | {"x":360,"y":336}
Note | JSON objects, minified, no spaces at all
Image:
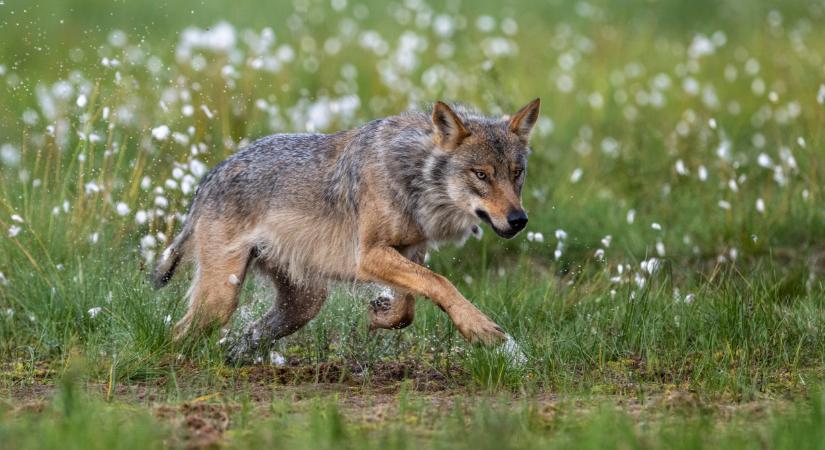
{"x":668,"y":291}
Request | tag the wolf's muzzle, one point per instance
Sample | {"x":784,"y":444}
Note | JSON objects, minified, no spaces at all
{"x":516,"y":220}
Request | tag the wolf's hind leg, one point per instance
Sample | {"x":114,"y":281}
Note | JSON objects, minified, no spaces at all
{"x":294,"y":306}
{"x":214,"y":291}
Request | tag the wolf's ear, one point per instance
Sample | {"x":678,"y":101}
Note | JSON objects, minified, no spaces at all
{"x":522,"y":122}
{"x":449,"y":130}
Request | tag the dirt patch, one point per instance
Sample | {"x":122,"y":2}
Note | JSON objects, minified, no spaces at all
{"x":379,"y":377}
{"x":195,"y":425}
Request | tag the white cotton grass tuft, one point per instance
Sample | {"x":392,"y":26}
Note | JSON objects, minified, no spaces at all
{"x":576,"y":175}
{"x":277,"y":359}
{"x":680,"y":167}
{"x":93,"y":312}
{"x":161,"y":133}
{"x":702,"y":172}
{"x":122,"y":209}
{"x":512,"y":351}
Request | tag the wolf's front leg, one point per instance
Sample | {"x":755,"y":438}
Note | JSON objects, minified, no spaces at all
{"x":385,"y":265}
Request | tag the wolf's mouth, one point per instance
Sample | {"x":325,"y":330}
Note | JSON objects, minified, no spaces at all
{"x":506,"y":234}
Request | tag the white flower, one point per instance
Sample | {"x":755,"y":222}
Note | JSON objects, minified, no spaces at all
{"x":660,"y":248}
{"x":81,"y":101}
{"x":535,"y":236}
{"x":161,"y":133}
{"x":820,"y":95}
{"x":9,"y":155}
{"x":148,"y":241}
{"x":701,"y":46}
{"x":92,"y":188}
{"x":764,"y":161}
{"x":276,"y":359}
{"x":187,"y":184}
{"x":197,"y":168}
{"x":161,"y":201}
{"x":122,"y":209}
{"x":14,"y":230}
{"x":17,"y":218}
{"x":576,"y":175}
{"x":141,"y":217}
{"x":561,"y":234}
{"x":599,"y":254}
{"x":760,"y":205}
{"x":724,"y":204}
{"x":485,"y":24}
{"x":680,"y":167}
{"x":651,"y":265}
{"x":94,"y":311}
{"x":703,"y":173}
{"x":656,"y":226}
{"x":607,"y":240}
{"x":631,"y":216}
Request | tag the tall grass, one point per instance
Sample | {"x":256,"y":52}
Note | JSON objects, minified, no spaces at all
{"x":674,"y":188}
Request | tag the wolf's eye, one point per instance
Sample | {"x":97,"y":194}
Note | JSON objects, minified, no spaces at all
{"x":517,"y":173}
{"x":481,"y":175}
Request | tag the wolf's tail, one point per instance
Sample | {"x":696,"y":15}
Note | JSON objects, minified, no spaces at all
{"x":173,"y":255}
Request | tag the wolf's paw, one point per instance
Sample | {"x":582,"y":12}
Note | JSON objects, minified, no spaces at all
{"x":390,"y":313}
{"x":381,"y":303}
{"x":241,"y":350}
{"x":475,"y":326}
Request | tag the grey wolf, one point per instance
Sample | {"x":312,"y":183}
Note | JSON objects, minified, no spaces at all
{"x":362,"y":205}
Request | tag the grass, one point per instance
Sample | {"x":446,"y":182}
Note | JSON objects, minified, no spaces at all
{"x":669,"y":291}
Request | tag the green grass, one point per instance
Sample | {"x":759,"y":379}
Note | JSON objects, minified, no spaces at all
{"x":675,"y":297}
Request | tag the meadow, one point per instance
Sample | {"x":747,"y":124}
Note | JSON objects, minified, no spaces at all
{"x":668,"y":291}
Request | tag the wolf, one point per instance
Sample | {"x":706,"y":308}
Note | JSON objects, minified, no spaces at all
{"x":362,"y":205}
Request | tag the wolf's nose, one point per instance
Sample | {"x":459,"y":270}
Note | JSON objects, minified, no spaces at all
{"x":517,"y":220}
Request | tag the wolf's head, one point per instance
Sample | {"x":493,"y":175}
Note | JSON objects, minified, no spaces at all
{"x":487,"y":164}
